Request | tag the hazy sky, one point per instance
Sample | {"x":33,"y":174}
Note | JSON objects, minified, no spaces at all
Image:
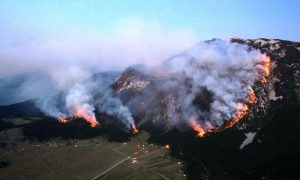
{"x":118,"y":33}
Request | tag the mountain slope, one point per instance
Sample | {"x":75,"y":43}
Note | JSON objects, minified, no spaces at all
{"x":264,"y":143}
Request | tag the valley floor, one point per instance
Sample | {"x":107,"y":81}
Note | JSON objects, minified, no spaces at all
{"x":93,"y":158}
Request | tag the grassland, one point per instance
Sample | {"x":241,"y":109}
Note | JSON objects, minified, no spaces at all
{"x":91,"y":158}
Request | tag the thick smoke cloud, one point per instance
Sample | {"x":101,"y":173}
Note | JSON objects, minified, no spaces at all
{"x":78,"y":103}
{"x":84,"y":100}
{"x":216,"y":74}
{"x":227,"y":71}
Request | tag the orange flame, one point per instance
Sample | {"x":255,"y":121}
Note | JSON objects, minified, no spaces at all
{"x":266,"y":69}
{"x":242,"y":112}
{"x":167,"y":146}
{"x":62,"y":120}
{"x":197,"y":127}
{"x":134,"y":129}
{"x":81,"y":113}
{"x":252,"y":97}
{"x":267,"y":65}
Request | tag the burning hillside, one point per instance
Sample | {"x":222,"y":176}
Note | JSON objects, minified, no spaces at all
{"x":173,"y":95}
{"x":240,"y":97}
{"x":208,"y":87}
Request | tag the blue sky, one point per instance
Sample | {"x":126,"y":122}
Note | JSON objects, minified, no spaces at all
{"x":208,"y":19}
{"x":46,"y":34}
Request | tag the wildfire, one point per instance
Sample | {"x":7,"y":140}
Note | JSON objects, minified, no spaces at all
{"x":167,"y":146}
{"x":266,"y":69}
{"x":134,"y":129}
{"x":82,"y":113}
{"x":242,"y":112}
{"x":238,"y":116}
{"x":252,"y":97}
{"x":62,"y":120}
{"x":197,"y":127}
{"x":267,"y":65}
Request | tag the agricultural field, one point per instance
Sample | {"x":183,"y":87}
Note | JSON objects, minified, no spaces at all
{"x":90,"y":158}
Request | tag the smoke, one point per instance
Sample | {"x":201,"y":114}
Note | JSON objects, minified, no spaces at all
{"x":67,"y":55}
{"x":66,"y":77}
{"x":19,"y":88}
{"x":84,"y":100}
{"x":210,"y":82}
{"x":78,"y":103}
{"x":204,"y":87}
{"x":52,"y":106}
{"x":113,"y":106}
{"x":207,"y":84}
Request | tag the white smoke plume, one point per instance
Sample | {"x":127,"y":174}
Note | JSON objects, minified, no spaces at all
{"x":228,"y":71}
{"x":222,"y":72}
{"x":84,"y":99}
{"x":78,"y":102}
{"x":51,"y":107}
{"x":218,"y":71}
{"x":113,"y":106}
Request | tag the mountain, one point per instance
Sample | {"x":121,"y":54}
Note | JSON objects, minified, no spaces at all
{"x":264,"y":144}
